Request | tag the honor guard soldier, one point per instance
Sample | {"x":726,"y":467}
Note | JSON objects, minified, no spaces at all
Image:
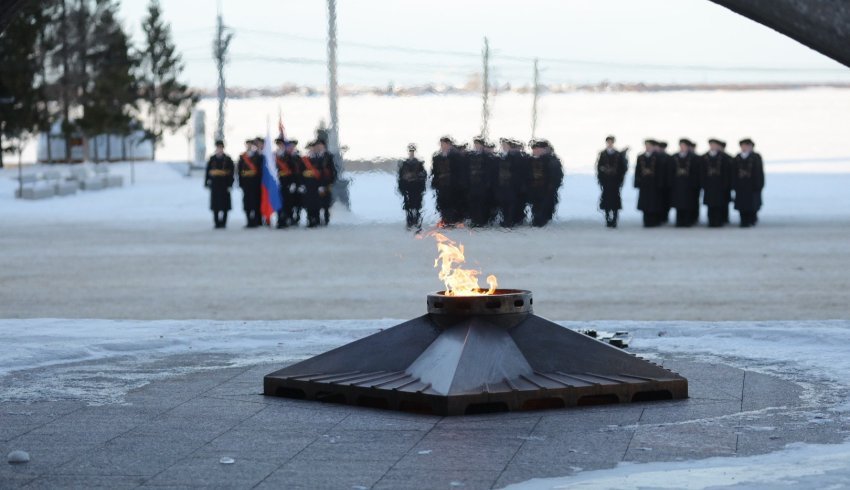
{"x":683,"y":177}
{"x":611,"y":168}
{"x":441,"y":180}
{"x":219,"y":179}
{"x":250,"y":181}
{"x":510,"y":179}
{"x":748,"y":182}
{"x":480,"y":179}
{"x":716,"y":182}
{"x":650,"y":179}
{"x":288,"y":164}
{"x":411,"y":185}
{"x":545,"y":177}
{"x":492,"y":168}
{"x":664,"y":163}
{"x":325,"y":161}
{"x":311,"y":185}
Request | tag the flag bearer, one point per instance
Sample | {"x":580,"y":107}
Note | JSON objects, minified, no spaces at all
{"x":250,"y":181}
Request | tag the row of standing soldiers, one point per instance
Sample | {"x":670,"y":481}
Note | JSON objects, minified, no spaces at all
{"x":304,"y":182}
{"x":666,"y":182}
{"x":481,"y":187}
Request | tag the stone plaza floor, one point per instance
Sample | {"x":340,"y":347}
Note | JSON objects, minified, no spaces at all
{"x":174,"y":432}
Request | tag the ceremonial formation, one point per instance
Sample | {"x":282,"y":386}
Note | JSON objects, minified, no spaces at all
{"x":275,"y":191}
{"x":675,"y":181}
{"x":480,"y":187}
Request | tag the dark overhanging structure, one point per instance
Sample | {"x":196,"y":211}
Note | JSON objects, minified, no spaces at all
{"x":476,"y":354}
{"x":823,"y":25}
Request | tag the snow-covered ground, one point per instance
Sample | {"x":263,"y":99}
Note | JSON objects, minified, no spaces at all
{"x":797,"y":130}
{"x":162,"y":194}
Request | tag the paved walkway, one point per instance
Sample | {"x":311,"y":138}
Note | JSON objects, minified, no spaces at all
{"x":174,"y":432}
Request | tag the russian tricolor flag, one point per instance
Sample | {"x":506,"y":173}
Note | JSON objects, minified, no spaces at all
{"x":270,"y":194}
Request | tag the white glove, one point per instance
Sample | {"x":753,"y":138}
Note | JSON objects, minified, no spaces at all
{"x":321,"y":190}
{"x":292,"y":188}
{"x":302,"y":189}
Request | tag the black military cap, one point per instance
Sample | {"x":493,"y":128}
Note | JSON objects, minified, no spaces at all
{"x":293,"y":142}
{"x":447,"y":139}
{"x":490,"y":145}
{"x":610,"y":138}
{"x":461,"y":146}
{"x":479,"y":140}
{"x":747,"y":141}
{"x":504,"y":140}
{"x":541,"y":143}
{"x":311,"y":143}
{"x":687,"y":142}
{"x":279,"y":140}
{"x":250,"y":142}
{"x":219,"y":143}
{"x":650,"y":141}
{"x":516,"y":143}
{"x":259,"y":139}
{"x":411,"y":147}
{"x":662,"y":144}
{"x":715,"y":141}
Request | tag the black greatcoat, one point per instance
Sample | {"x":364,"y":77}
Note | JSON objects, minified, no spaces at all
{"x":716,"y":179}
{"x":289,"y":176}
{"x":480,"y":182}
{"x":683,"y":175}
{"x":610,"y":173}
{"x":329,"y":177}
{"x":748,"y":182}
{"x":441,"y":182}
{"x":251,"y":180}
{"x":650,"y":181}
{"x":219,"y":179}
{"x":411,"y":182}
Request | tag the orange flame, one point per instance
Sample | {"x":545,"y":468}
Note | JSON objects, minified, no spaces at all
{"x":458,"y":281}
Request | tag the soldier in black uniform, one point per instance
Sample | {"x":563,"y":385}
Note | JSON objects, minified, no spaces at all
{"x":716,"y":182}
{"x":683,"y":178}
{"x":491,"y":166}
{"x":611,"y":168}
{"x":510,"y":180}
{"x":480,"y":179}
{"x":650,"y":179}
{"x":250,"y":181}
{"x":325,"y":160}
{"x":748,"y":182}
{"x":442,"y":164}
{"x":219,"y":179}
{"x":545,"y":178}
{"x":311,"y":186}
{"x":664,"y":163}
{"x":411,"y":185}
{"x":288,"y":165}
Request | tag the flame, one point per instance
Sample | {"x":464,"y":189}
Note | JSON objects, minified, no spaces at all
{"x":458,"y":281}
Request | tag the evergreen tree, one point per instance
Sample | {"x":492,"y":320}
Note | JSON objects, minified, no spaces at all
{"x":20,"y":93}
{"x":169,"y":102}
{"x":110,"y":101}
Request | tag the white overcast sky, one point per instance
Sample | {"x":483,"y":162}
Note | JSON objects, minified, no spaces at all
{"x":660,"y":41}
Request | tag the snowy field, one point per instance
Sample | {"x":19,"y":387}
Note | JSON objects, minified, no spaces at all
{"x":148,"y":251}
{"x":796,"y":130}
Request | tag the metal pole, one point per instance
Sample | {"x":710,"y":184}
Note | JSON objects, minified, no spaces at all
{"x":534,"y":104}
{"x":223,"y":36}
{"x":485,"y":94}
{"x":333,"y":131}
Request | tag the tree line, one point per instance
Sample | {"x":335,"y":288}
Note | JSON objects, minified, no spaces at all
{"x":73,"y":60}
